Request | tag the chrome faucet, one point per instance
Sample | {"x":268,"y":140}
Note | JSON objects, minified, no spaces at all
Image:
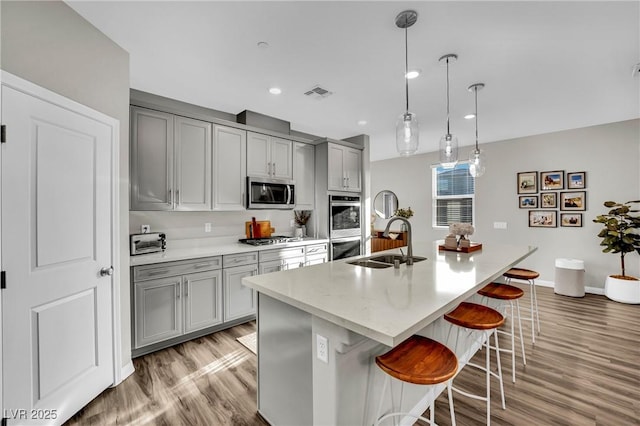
{"x":409,"y":256}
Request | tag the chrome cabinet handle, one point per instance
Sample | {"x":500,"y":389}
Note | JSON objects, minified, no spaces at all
{"x":274,"y":169}
{"x":106,"y":271}
{"x":186,"y":288}
{"x":178,"y":291}
{"x":169,"y":200}
{"x":202,"y":265}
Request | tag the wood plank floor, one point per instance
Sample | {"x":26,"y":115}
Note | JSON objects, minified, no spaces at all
{"x":583,"y":370}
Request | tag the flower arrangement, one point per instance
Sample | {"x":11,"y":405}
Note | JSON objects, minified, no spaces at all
{"x":301,"y":217}
{"x":405,"y":213}
{"x":461,"y":229}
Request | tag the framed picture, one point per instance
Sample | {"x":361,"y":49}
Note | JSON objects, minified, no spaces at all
{"x":528,"y":201}
{"x":543,"y":219}
{"x":571,"y":219}
{"x":549,"y":200}
{"x":552,"y":180}
{"x":527,"y":183}
{"x":574,"y":200}
{"x":576,"y":180}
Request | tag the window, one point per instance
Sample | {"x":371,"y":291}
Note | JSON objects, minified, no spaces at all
{"x":453,"y":195}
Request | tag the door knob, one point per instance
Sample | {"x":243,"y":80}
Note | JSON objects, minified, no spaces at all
{"x":106,"y":272}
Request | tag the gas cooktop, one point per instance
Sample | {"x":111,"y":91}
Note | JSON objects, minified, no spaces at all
{"x":276,"y":239}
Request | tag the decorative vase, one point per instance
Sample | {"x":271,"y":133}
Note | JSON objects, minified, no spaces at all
{"x":624,"y":291}
{"x":403,"y":227}
{"x":451,"y":242}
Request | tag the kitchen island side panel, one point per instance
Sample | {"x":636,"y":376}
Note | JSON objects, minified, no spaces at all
{"x":285,"y":386}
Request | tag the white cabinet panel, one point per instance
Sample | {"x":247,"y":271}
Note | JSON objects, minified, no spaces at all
{"x":192,"y":164}
{"x":353,"y":169}
{"x":281,"y":158}
{"x":304,"y":175}
{"x":230,"y":168}
{"x":202,"y":294}
{"x":239,"y":300}
{"x":151,"y":160}
{"x":158,"y":313}
{"x":336,"y":178}
{"x":344,"y":168}
{"x":268,"y":156}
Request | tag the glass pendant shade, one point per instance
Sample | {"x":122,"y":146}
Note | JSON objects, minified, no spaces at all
{"x":407,"y":134}
{"x":477,"y":163}
{"x":448,"y":151}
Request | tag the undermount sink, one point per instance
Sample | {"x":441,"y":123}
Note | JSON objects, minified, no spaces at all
{"x":390,"y":258}
{"x":384,"y":261}
{"x":369,"y":264}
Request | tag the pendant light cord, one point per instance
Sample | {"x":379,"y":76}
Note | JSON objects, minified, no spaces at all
{"x":406,"y":60}
{"x":448,"y":132}
{"x":475,"y":90}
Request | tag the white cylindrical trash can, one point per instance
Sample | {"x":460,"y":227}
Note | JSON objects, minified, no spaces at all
{"x":569,"y":279}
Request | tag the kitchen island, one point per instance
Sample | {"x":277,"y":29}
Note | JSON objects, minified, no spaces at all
{"x":320,"y":328}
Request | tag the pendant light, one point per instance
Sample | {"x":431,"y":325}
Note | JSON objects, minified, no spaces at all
{"x":449,"y":142}
{"x":477,"y":161}
{"x":407,"y":125}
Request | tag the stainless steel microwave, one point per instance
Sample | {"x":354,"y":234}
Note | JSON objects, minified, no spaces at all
{"x":269,"y":193}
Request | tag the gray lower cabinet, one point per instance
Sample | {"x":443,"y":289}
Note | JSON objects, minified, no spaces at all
{"x":281,"y":259}
{"x":176,"y":298}
{"x":316,"y":254}
{"x":239,"y":301}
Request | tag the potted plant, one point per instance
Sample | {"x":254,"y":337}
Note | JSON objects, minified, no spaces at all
{"x":301,"y":218}
{"x":621,"y":235}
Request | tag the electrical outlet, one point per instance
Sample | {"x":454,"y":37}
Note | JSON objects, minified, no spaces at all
{"x":292,"y":223}
{"x":207,"y":227}
{"x":145,"y":229}
{"x":322,"y":348}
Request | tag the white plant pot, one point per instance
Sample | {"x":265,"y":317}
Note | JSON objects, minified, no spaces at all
{"x":624,"y":291}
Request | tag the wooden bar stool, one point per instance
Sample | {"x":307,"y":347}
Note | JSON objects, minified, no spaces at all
{"x":472,"y":316}
{"x":421,"y":361}
{"x":508,"y":293}
{"x":530,"y":276}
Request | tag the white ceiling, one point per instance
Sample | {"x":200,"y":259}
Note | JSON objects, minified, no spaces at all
{"x":547,"y":66}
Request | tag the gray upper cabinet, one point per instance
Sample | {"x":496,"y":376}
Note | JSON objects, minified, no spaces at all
{"x":304,"y":175}
{"x":229,"y":168}
{"x":344,"y":168}
{"x":151,"y":160}
{"x":192,"y":164}
{"x":269,"y":156}
{"x":170,"y":162}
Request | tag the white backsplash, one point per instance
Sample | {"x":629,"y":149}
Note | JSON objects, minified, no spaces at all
{"x":191,"y":225}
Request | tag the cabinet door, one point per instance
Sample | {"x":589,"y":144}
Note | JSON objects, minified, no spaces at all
{"x":230,"y":168}
{"x":294,"y":263}
{"x":151,"y":160}
{"x":353,"y":169}
{"x":281,"y":158}
{"x":239,"y":301}
{"x":192,"y":164}
{"x":335,"y":175}
{"x":158,"y":311}
{"x":304,"y":175}
{"x":202,"y":299}
{"x":258,"y":155}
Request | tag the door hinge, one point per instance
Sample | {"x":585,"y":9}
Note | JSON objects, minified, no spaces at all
{"x":3,"y":280}
{"x":3,"y":133}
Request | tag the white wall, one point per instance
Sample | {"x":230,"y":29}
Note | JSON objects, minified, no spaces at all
{"x":49,"y":44}
{"x":610,"y":154}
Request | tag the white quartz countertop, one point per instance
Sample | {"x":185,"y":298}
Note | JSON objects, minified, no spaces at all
{"x":389,"y":305}
{"x":199,"y":249}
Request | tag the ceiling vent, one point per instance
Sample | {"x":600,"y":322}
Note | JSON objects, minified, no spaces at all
{"x":318,"y":92}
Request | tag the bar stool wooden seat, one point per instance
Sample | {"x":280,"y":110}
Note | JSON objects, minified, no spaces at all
{"x":529,"y":276}
{"x":472,"y":316}
{"x":421,"y":361}
{"x":509,"y":294}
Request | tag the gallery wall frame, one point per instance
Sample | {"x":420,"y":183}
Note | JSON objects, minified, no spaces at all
{"x":573,"y":200}
{"x":552,"y":180}
{"x":549,"y":200}
{"x":527,"y":182}
{"x":528,"y":201}
{"x":571,"y":220}
{"x":577,"y":180}
{"x":543,"y":219}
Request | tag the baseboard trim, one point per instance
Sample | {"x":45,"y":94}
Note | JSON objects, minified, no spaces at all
{"x":125,"y":372}
{"x":544,"y":283}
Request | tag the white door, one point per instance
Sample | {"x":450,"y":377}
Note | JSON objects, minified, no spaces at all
{"x":56,"y":237}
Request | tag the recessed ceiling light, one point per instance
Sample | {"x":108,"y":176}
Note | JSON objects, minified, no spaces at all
{"x":275,"y":90}
{"x":469,"y":116}
{"x":413,"y":74}
{"x":362,"y":122}
{"x":263,"y":45}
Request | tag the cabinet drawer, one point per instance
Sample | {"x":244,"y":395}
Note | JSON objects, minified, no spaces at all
{"x":239,"y":259}
{"x":170,"y":269}
{"x":284,"y":253}
{"x":316,"y":249}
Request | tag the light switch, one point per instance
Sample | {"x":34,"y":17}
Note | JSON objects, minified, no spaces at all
{"x":499,"y":225}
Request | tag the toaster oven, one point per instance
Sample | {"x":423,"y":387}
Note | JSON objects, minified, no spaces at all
{"x":148,"y":243}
